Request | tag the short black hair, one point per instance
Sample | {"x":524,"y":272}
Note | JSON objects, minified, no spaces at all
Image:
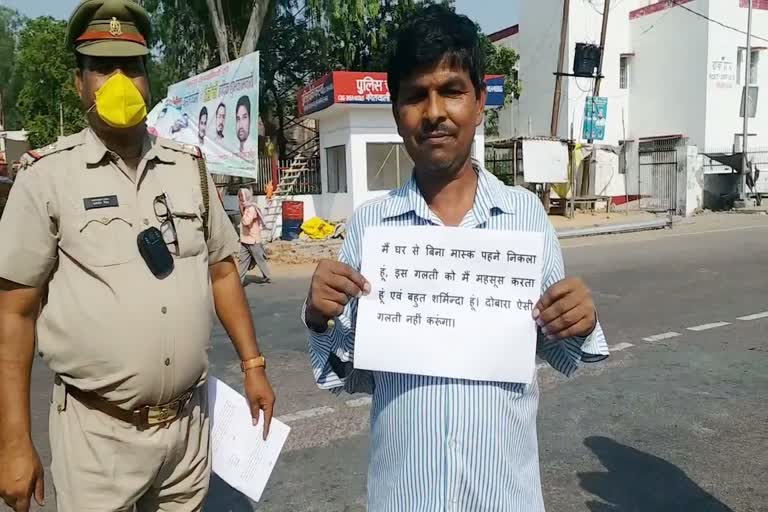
{"x":244,"y":101}
{"x":203,"y":112}
{"x":221,"y":105}
{"x":434,"y":34}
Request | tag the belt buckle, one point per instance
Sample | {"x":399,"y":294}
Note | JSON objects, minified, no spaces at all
{"x":163,"y":414}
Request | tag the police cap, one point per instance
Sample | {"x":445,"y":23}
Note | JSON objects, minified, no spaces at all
{"x":109,"y":28}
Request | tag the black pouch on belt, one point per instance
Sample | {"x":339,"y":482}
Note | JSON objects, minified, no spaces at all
{"x":155,"y":253}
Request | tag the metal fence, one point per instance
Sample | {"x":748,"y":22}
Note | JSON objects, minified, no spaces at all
{"x":501,"y":163}
{"x":308,"y":183}
{"x":725,"y":161}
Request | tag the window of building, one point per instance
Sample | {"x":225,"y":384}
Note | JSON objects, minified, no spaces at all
{"x":336,"y":164}
{"x":624,"y":65}
{"x":389,"y":166}
{"x":754,"y":66}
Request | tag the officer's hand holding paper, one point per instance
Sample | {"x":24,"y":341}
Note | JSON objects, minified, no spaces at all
{"x":240,"y":455}
{"x":450,"y":302}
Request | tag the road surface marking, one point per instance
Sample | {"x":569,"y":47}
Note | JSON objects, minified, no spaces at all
{"x":621,"y":346}
{"x":309,"y":413}
{"x":756,"y":316}
{"x":706,"y":327}
{"x":662,"y":336}
{"x":359,"y":402}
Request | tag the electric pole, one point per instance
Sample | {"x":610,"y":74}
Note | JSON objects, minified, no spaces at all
{"x":596,"y":93}
{"x":560,"y":70}
{"x":745,"y":136}
{"x":603,"y":35}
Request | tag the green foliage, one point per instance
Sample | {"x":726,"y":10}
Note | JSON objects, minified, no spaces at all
{"x":500,"y":60}
{"x":45,"y":70}
{"x":10,"y":24}
{"x":183,"y":36}
{"x":360,"y":32}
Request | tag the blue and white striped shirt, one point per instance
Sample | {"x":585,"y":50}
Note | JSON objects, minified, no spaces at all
{"x":440,"y":444}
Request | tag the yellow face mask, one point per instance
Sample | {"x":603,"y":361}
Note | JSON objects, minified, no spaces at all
{"x":119,"y":103}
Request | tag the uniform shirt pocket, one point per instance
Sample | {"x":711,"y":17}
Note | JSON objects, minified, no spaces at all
{"x":105,"y":237}
{"x":186,"y":213}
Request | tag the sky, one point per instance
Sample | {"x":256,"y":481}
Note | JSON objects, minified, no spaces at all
{"x":492,"y":15}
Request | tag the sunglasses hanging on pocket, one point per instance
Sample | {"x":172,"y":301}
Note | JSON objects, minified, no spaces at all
{"x":153,"y":243}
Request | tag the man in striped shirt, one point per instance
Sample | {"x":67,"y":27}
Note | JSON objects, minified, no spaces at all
{"x":441,"y":443}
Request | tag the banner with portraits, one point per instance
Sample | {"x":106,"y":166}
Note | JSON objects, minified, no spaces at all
{"x":218,"y":111}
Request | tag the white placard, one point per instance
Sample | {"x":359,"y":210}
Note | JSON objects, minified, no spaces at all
{"x":450,"y":302}
{"x":241,"y":457}
{"x":545,"y":161}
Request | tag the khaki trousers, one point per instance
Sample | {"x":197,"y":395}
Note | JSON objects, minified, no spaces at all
{"x":101,"y":464}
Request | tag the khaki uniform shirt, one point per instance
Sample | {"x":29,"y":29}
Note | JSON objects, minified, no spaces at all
{"x":109,"y":325}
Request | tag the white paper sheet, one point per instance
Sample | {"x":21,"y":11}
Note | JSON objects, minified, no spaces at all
{"x":450,"y":302}
{"x":545,"y":161}
{"x":241,"y":457}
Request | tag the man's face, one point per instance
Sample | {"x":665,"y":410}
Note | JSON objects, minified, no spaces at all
{"x":97,"y":70}
{"x":243,"y":123}
{"x":202,"y":126}
{"x":221,"y":116}
{"x":437,"y":113}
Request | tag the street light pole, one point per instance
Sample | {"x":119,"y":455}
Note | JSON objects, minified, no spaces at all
{"x":747,"y":80}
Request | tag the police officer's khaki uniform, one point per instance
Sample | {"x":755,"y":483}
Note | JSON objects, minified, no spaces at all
{"x":109,"y":325}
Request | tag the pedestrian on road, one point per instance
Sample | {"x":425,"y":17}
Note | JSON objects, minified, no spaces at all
{"x":252,"y":251}
{"x":113,"y":257}
{"x":443,"y":443}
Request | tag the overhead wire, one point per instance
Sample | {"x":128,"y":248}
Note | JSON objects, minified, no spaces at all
{"x":716,"y":22}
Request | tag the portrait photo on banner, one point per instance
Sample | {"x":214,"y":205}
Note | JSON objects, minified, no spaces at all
{"x":218,"y":111}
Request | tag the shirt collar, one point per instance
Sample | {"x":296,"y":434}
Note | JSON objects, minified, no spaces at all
{"x":491,"y":194}
{"x":95,"y":150}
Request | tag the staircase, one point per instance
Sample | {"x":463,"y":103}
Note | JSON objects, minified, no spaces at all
{"x":285,"y":189}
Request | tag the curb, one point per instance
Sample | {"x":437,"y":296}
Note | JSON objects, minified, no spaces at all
{"x":615,"y":229}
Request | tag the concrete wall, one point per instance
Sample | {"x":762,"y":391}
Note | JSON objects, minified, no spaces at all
{"x":724,"y":96}
{"x":607,"y":180}
{"x":355,"y":126}
{"x":668,"y":94}
{"x":690,"y":194}
{"x":539,"y":41}
{"x":334,"y":131}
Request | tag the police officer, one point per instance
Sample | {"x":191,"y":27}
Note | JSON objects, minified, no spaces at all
{"x":124,"y":330}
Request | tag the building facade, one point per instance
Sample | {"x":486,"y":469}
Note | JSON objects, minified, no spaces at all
{"x":674,"y":68}
{"x":670,"y":67}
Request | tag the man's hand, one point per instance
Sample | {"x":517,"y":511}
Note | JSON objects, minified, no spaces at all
{"x":260,"y":396}
{"x":21,"y":476}
{"x":333,"y":285}
{"x":566,"y":310}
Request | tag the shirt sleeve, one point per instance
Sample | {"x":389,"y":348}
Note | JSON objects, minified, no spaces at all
{"x":565,"y":355}
{"x":223,"y":241}
{"x":29,"y":231}
{"x":331,"y":353}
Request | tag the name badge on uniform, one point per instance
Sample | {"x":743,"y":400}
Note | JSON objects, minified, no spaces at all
{"x":93,"y":203}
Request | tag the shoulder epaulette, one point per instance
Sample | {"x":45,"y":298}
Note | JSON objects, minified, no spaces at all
{"x":189,"y":149}
{"x":63,"y":144}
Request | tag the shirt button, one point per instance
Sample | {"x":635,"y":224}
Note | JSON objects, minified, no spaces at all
{"x":168,"y":362}
{"x":164,"y":310}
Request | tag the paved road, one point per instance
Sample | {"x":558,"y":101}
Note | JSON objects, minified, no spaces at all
{"x":674,"y":421}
